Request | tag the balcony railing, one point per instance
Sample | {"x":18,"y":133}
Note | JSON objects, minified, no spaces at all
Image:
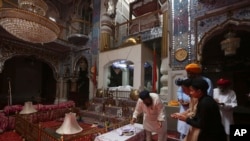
{"x":145,"y":24}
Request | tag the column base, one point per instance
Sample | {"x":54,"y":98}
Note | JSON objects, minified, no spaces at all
{"x":164,"y":97}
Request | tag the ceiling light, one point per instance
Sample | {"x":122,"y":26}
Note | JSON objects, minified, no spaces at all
{"x":28,"y":22}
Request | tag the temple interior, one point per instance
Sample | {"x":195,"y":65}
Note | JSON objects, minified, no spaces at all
{"x":82,"y":63}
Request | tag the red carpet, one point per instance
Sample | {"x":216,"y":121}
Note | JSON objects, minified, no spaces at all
{"x":56,"y":124}
{"x":10,"y":136}
{"x":53,"y":125}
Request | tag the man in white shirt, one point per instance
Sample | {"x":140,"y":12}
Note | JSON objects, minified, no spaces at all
{"x":154,"y":117}
{"x":226,"y":98}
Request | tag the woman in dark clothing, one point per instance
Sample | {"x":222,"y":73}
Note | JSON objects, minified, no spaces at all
{"x":207,"y":116}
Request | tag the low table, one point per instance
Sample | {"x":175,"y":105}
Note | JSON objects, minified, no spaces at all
{"x":114,"y":135}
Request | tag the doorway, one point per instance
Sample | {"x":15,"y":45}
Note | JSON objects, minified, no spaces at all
{"x":27,"y":79}
{"x":234,"y":67}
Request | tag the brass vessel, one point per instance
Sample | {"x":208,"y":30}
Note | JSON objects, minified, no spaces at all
{"x":99,"y":93}
{"x":134,"y":94}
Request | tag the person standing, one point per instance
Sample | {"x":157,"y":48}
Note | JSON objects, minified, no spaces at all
{"x":184,"y":100}
{"x":154,"y":116}
{"x":207,"y":117}
{"x":226,"y":99}
{"x":194,"y":71}
{"x":190,"y":132}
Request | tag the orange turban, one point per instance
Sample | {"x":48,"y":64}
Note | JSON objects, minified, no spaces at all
{"x":193,"y":68}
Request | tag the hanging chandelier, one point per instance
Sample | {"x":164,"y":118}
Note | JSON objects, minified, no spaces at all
{"x":230,"y":44}
{"x":28,"y":22}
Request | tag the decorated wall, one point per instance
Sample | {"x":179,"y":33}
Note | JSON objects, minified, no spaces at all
{"x":192,"y":20}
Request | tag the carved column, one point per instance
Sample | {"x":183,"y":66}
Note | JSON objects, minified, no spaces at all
{"x":138,"y":83}
{"x":164,"y":50}
{"x":164,"y":79}
{"x":164,"y":46}
{"x":65,"y":90}
{"x":1,"y":66}
{"x":106,"y":77}
{"x":58,"y":90}
{"x":73,"y":87}
{"x":125,"y":76}
{"x":106,"y":32}
{"x":60,"y":94}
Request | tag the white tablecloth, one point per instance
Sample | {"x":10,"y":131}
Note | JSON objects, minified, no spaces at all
{"x":114,"y":135}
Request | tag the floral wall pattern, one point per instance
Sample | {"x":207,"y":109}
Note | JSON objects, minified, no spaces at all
{"x":193,"y":19}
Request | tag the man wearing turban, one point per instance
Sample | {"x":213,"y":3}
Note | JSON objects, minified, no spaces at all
{"x":194,"y":71}
{"x":154,"y":116}
{"x":207,"y":117}
{"x":226,"y":99}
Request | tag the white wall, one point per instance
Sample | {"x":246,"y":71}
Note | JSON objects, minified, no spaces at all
{"x":137,"y":54}
{"x":173,"y":75}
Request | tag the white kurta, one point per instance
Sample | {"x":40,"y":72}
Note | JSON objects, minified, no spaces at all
{"x":230,"y":101}
{"x":182,"y":126}
{"x":152,"y":114}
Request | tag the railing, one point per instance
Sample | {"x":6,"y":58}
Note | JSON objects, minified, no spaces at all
{"x":115,"y":93}
{"x":119,"y":94}
{"x":28,"y":125}
{"x":117,"y":125}
{"x":136,"y":26}
{"x":31,"y":131}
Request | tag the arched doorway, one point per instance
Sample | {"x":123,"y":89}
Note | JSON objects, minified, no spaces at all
{"x":29,"y":79}
{"x":235,"y":67}
{"x":121,"y":73}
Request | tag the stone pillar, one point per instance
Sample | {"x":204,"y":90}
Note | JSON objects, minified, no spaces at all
{"x":73,"y":87}
{"x":164,"y":80}
{"x":125,"y":76}
{"x":165,"y":33}
{"x":106,"y":77}
{"x":138,"y":81}
{"x":165,"y":59}
{"x":106,"y":32}
{"x":65,"y":90}
{"x":92,"y":90}
{"x":60,"y":96}
{"x":1,"y":66}
{"x":108,"y":71}
{"x":58,"y":90}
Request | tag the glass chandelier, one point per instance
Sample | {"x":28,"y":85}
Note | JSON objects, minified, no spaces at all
{"x":230,"y":44}
{"x":28,"y":22}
